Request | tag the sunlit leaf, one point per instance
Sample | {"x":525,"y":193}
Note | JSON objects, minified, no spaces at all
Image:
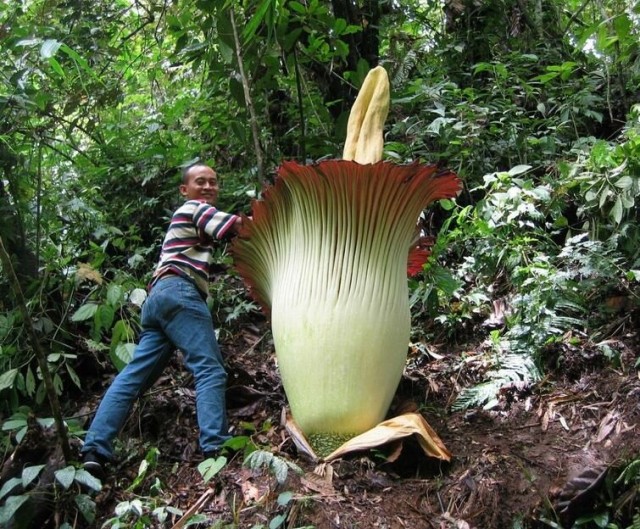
{"x":85,"y":478}
{"x":277,"y":521}
{"x":624,"y":182}
{"x":138,"y":296}
{"x":66,"y":476}
{"x":519,"y":169}
{"x":30,"y":473}
{"x":55,"y":65}
{"x":49,"y":48}
{"x":85,"y":312}
{"x":7,"y":378}
{"x":123,"y":354}
{"x":210,"y":467}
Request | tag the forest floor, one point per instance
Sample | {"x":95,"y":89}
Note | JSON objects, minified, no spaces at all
{"x":541,"y":453}
{"x":541,"y":457}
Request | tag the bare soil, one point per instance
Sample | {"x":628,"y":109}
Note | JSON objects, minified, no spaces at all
{"x":542,"y":456}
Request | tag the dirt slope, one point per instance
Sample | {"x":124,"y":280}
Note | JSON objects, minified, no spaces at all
{"x":547,"y":452}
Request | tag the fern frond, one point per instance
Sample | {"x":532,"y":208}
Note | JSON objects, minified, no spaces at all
{"x":513,"y":367}
{"x":404,"y":66}
{"x":278,"y":466}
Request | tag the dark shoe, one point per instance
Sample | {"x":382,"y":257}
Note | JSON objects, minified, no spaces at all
{"x":211,"y":454}
{"x":94,"y":464}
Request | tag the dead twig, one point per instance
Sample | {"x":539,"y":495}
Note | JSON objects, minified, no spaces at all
{"x":194,"y":509}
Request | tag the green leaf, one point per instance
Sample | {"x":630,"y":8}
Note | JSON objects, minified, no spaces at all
{"x":277,"y":521}
{"x":339,"y":25}
{"x":7,"y":378}
{"x":284,"y":498}
{"x":74,"y":376}
{"x":297,"y":7}
{"x":633,"y":275}
{"x":9,"y":485}
{"x":623,"y":26}
{"x":85,"y":312}
{"x":57,"y":383}
{"x":250,"y":29}
{"x":280,"y":469}
{"x":604,"y":194}
{"x":114,"y":295}
{"x":519,"y":169}
{"x":624,"y":183}
{"x":20,"y":435}
{"x":239,"y":442}
{"x":83,"y":477}
{"x":103,"y":320}
{"x":122,"y":355}
{"x":55,"y":65}
{"x":616,"y":211}
{"x":9,"y":509}
{"x":49,"y":48}
{"x":447,"y":204}
{"x":121,"y":332}
{"x":80,"y":61}
{"x":66,"y":476}
{"x":545,"y":78}
{"x":30,"y":473}
{"x":291,"y":38}
{"x":210,"y":467}
{"x":86,"y":506}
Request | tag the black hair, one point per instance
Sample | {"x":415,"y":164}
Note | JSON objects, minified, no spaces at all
{"x":185,"y":171}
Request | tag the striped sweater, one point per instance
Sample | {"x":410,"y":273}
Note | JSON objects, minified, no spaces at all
{"x":187,"y":249}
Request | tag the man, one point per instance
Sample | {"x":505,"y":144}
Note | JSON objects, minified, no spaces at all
{"x":175,"y":315}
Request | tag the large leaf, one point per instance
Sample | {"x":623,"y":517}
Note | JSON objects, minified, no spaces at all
{"x":66,"y":476}
{"x":85,"y":478}
{"x":9,"y":485}
{"x":11,"y":506}
{"x":30,"y":473}
{"x":210,"y":467}
{"x":7,"y":378}
{"x":85,"y":312}
{"x":49,"y":48}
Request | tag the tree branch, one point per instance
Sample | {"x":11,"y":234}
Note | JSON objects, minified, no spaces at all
{"x":247,"y":97}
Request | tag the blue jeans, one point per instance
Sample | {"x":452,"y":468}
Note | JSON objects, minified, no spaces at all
{"x":173,"y":316}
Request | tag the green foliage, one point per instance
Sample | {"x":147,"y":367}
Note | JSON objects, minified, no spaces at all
{"x":605,"y":174}
{"x":101,"y":107}
{"x":613,"y":506}
{"x":112,"y":309}
{"x":141,"y":513}
{"x":515,"y":244}
{"x":147,"y":508}
{"x":278,"y":466}
{"x":17,"y":493}
{"x":210,"y":467}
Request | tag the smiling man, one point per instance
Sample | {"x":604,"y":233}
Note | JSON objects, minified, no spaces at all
{"x":175,"y":316}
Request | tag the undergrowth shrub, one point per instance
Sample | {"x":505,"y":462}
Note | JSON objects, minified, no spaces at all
{"x":516,"y":249}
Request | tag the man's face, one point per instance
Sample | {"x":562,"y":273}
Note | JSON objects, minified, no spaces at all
{"x":202,"y":184}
